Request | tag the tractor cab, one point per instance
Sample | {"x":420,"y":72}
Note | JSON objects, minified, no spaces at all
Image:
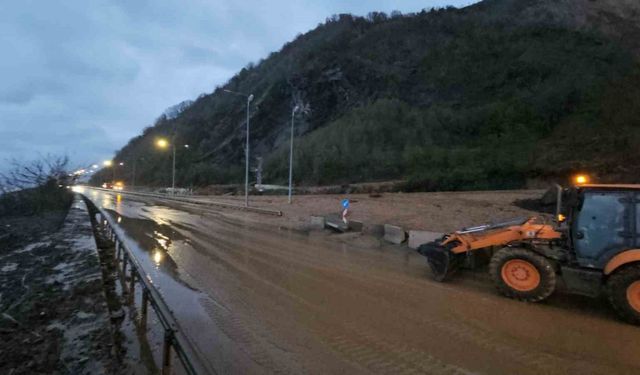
{"x":603,"y":221}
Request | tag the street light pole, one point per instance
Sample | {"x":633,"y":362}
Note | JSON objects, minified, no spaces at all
{"x":246,"y":168}
{"x":133,"y":177}
{"x":173,"y":174}
{"x":293,"y":116}
{"x":246,"y":150}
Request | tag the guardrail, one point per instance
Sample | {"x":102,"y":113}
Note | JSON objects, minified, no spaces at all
{"x":173,"y":337}
{"x":193,"y":201}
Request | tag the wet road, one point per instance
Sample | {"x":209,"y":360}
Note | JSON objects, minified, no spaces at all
{"x":260,"y":300}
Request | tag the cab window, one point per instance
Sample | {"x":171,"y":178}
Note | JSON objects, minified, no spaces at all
{"x":600,"y":225}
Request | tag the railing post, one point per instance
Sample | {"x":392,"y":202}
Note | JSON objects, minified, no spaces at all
{"x":144,"y":306}
{"x":124,"y":267}
{"x":132,"y":286}
{"x":166,"y":352}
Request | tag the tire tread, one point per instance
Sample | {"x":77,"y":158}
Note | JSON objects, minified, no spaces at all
{"x":547,"y":274}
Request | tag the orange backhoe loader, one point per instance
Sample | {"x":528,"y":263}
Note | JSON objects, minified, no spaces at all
{"x":593,"y":245}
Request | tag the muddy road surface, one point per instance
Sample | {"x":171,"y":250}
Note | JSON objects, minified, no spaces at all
{"x":256,"y":299}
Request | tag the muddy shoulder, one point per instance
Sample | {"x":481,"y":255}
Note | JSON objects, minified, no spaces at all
{"x":54,"y":315}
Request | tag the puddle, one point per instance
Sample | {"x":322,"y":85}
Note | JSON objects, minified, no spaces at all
{"x":156,"y":242}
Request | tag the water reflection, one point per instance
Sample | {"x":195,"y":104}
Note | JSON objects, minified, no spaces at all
{"x":106,"y":201}
{"x":157,"y":258}
{"x":157,"y":240}
{"x":162,"y":240}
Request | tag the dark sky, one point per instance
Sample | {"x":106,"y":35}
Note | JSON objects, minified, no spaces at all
{"x":83,"y":77}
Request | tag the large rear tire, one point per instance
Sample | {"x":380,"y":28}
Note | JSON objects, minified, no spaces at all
{"x":623,"y":291}
{"x":522,"y":274}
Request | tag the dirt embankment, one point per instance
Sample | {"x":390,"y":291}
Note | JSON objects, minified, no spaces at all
{"x":439,"y":211}
{"x":53,"y":312}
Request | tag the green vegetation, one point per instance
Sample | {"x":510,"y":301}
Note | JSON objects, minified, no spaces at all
{"x":446,"y":99}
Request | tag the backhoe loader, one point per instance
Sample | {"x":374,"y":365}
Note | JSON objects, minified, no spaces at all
{"x":593,"y":246}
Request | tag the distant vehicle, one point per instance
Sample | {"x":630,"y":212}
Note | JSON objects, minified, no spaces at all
{"x":595,"y":249}
{"x":118,"y":185}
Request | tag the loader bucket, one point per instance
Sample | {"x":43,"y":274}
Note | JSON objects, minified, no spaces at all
{"x":440,"y":259}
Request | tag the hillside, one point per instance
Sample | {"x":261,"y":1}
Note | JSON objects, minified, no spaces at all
{"x":487,"y":96}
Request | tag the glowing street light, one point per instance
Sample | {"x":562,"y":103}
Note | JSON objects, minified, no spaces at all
{"x":107,"y":163}
{"x":163,"y":144}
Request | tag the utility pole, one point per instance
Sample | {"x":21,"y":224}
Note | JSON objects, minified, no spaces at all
{"x":293,"y":116}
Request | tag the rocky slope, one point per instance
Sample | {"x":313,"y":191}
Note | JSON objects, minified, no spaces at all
{"x":487,"y":96}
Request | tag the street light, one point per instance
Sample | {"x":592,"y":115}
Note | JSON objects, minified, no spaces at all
{"x":109,"y":164}
{"x":293,"y":116}
{"x":163,"y":143}
{"x":246,"y":168}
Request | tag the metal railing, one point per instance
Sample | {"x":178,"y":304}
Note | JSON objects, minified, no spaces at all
{"x":193,"y":201}
{"x":174,"y":338}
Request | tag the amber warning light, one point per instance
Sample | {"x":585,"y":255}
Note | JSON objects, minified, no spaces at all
{"x":581,"y":179}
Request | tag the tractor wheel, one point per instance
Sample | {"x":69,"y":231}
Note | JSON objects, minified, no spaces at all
{"x":623,"y":290}
{"x":522,"y":274}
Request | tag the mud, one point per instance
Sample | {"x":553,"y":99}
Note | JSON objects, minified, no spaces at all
{"x":53,"y":311}
{"x":259,"y":300}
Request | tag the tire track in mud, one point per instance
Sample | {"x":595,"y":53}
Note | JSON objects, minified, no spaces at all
{"x":250,"y":343}
{"x":383,"y":358}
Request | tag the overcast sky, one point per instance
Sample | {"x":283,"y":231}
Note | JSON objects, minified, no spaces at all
{"x":83,"y":77}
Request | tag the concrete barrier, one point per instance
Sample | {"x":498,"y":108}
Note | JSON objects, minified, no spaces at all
{"x":419,"y":237}
{"x":355,"y":226}
{"x":317,"y":222}
{"x":376,"y":230}
{"x":394,"y":234}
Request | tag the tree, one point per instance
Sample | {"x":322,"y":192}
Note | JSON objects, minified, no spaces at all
{"x":33,"y":187}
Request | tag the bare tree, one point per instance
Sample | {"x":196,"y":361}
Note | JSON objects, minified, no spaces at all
{"x":39,"y":172}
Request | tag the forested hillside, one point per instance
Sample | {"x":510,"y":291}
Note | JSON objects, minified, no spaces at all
{"x":482,"y":97}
